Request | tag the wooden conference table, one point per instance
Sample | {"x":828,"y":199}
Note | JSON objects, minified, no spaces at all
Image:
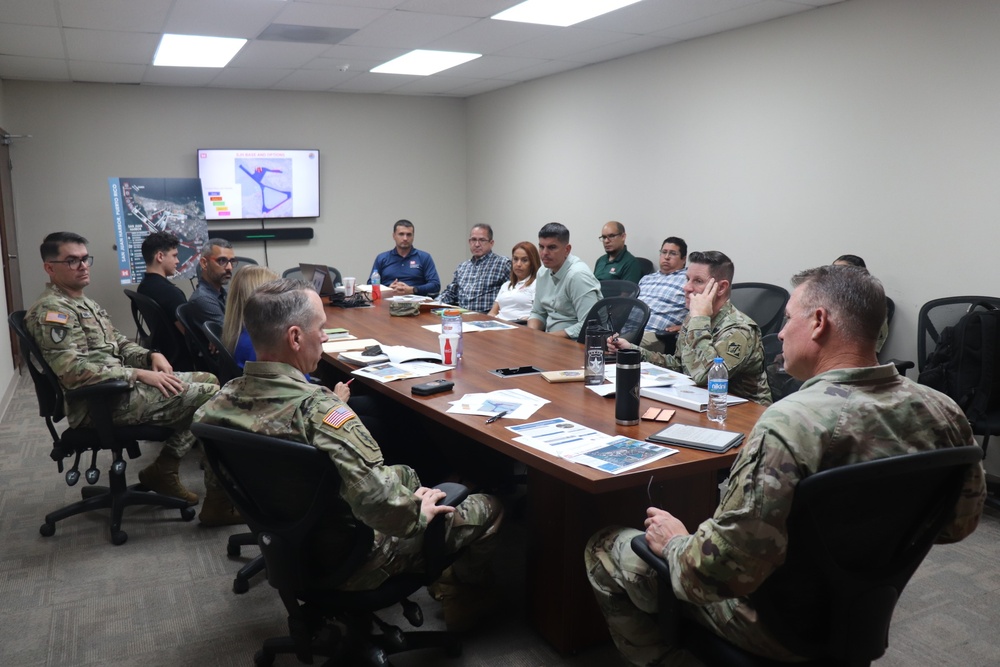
{"x":567,"y":502}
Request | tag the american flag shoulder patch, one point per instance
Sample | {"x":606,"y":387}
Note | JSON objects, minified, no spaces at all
{"x":56,"y":317}
{"x":337,"y":417}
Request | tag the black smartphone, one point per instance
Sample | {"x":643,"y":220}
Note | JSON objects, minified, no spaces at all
{"x":433,"y":387}
{"x":516,"y":370}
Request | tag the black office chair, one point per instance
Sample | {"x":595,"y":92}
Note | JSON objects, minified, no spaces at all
{"x":619,"y":288}
{"x":287,"y":527}
{"x":645,"y":265}
{"x":197,"y":342}
{"x":852,"y":547}
{"x":294,"y":273}
{"x":224,"y":361}
{"x":158,"y":331}
{"x":623,"y":315}
{"x":761,"y":302}
{"x":103,"y":434}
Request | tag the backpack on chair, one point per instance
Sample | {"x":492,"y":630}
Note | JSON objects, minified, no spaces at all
{"x":963,"y":365}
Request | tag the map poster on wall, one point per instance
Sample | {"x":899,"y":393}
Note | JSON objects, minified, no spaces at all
{"x":141,"y":206}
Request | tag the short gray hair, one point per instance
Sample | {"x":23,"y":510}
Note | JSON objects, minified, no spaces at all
{"x":273,"y":308}
{"x":854,"y":298}
{"x":206,"y":251}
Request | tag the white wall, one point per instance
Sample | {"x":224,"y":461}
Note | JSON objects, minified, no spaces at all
{"x":7,"y":373}
{"x":868,"y":127}
{"x":382,"y":158}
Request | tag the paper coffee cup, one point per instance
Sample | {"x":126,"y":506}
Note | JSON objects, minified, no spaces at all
{"x":349,"y":286}
{"x":449,"y":348}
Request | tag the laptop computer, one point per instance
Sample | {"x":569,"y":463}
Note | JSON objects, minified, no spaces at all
{"x":319,"y":276}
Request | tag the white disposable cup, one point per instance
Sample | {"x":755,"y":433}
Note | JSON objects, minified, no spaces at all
{"x":349,"y":286}
{"x":449,"y":356}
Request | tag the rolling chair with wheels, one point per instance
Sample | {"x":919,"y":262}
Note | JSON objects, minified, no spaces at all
{"x":102,"y":435}
{"x":158,"y":331}
{"x":285,"y":525}
{"x":852,"y":547}
{"x":762,"y":302}
{"x":619,"y":288}
{"x":619,"y":314}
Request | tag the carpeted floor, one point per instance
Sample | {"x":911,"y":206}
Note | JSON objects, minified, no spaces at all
{"x":164,"y":598}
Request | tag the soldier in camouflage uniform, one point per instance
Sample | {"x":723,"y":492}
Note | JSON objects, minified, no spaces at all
{"x":851,"y":410}
{"x":714,"y":328}
{"x":285,"y":319}
{"x":83,"y":347}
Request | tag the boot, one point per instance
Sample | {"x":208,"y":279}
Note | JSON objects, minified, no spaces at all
{"x":162,"y":476}
{"x":218,"y":510}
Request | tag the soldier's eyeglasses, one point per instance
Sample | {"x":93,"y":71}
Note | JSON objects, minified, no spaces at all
{"x":225,"y":261}
{"x":74,"y":262}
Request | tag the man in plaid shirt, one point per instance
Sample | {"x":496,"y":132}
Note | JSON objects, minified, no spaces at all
{"x":663,"y":292}
{"x":478,"y":280}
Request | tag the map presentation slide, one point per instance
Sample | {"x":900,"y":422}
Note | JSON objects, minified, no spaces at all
{"x":141,"y":206}
{"x":250,"y":184}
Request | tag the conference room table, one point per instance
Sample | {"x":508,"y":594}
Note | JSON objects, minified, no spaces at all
{"x":566,"y":501}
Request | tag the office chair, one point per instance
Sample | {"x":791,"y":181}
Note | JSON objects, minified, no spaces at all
{"x":294,"y":273}
{"x":287,"y":526}
{"x":623,"y":315}
{"x":102,"y":434}
{"x":224,"y":361}
{"x":852,"y":547}
{"x":158,"y":332}
{"x":761,"y":302}
{"x":197,"y":342}
{"x":645,"y":265}
{"x":619,"y":288}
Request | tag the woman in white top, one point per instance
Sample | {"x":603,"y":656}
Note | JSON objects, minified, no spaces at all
{"x":514,"y":300}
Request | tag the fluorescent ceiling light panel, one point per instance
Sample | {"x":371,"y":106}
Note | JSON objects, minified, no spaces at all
{"x":560,"y":12}
{"x":196,"y":51}
{"x":423,"y":62}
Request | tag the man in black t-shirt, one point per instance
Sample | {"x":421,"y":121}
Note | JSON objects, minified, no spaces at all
{"x":159,"y":250}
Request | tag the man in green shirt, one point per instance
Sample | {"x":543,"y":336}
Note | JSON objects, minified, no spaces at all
{"x":618,"y":263}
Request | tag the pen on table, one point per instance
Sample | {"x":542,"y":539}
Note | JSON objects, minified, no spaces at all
{"x":496,"y":417}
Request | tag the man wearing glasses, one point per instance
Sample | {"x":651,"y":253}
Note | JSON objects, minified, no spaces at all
{"x":478,"y":280}
{"x":663,"y":292}
{"x":617,"y":263}
{"x":218,"y":261}
{"x":83,"y":347}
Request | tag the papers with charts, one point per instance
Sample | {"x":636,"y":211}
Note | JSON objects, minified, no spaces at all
{"x":387,"y":372}
{"x":515,"y":403}
{"x":610,"y":453}
{"x":650,"y":375}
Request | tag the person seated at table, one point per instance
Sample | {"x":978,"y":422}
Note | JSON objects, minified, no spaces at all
{"x":849,"y":410}
{"x":234,"y":333}
{"x":516,"y":297}
{"x":854,"y":260}
{"x":405,"y":269}
{"x":477,"y":280}
{"x":713,"y":328}
{"x":566,"y":289}
{"x":285,"y":319}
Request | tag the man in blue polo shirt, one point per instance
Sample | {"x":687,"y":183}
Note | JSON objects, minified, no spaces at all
{"x":404,"y":269}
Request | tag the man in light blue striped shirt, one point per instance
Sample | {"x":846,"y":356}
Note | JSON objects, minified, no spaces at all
{"x":663,"y":292}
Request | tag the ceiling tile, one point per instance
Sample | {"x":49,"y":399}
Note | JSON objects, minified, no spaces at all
{"x":489,"y":37}
{"x":646,"y":17}
{"x":111,"y":47}
{"x":736,"y":18}
{"x":238,"y":77}
{"x":44,"y":69}
{"x":307,"y":13}
{"x":277,"y":54}
{"x":31,"y":41}
{"x":29,"y":12}
{"x":407,"y":30}
{"x":489,"y":67}
{"x":563,"y":44}
{"x":624,"y":48}
{"x":538,"y":71}
{"x":222,"y":18}
{"x":180,"y":76}
{"x":95,"y":72}
{"x":139,"y":15}
{"x":373,"y":83}
{"x":476,"y":8}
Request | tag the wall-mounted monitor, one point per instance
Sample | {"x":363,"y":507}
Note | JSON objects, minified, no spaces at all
{"x":249,"y":184}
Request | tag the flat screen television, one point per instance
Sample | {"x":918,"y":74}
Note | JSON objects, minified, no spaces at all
{"x":250,"y":183}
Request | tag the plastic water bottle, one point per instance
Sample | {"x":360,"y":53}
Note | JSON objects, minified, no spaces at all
{"x":376,"y":282}
{"x":718,"y":388}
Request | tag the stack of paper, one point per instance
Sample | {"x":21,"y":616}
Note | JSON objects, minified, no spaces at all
{"x":387,"y":372}
{"x":573,"y":442}
{"x":650,"y":375}
{"x":513,"y":403}
{"x":690,"y":397}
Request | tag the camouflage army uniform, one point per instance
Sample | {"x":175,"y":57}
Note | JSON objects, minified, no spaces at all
{"x":83,"y":347}
{"x":275,"y":399}
{"x":729,"y":334}
{"x":837,"y":418}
